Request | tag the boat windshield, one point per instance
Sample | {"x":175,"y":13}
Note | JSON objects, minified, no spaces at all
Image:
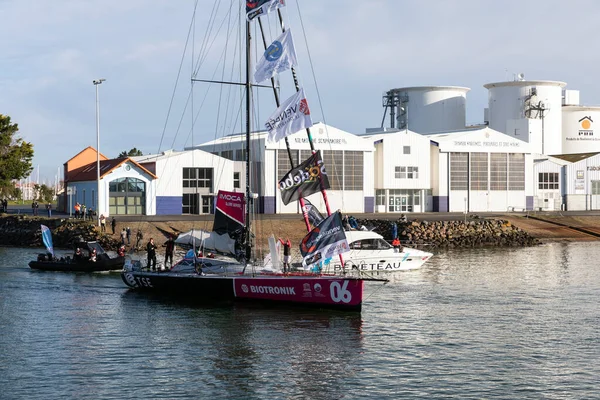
{"x":370,"y":244}
{"x":95,"y":246}
{"x":185,"y":265}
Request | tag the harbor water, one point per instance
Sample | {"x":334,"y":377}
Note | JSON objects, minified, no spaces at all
{"x":520,"y":323}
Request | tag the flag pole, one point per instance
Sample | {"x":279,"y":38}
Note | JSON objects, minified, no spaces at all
{"x":310,"y":141}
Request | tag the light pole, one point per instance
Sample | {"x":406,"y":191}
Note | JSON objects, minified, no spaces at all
{"x":97,"y":82}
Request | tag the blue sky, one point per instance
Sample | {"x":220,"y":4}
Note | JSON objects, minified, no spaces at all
{"x":52,"y":50}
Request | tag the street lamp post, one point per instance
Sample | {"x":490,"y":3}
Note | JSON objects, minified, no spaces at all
{"x":96,"y":83}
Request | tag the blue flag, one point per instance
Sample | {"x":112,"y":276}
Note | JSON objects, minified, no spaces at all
{"x":47,"y":238}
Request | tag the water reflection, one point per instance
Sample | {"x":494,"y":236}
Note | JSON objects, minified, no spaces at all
{"x":481,"y":323}
{"x":236,"y":343}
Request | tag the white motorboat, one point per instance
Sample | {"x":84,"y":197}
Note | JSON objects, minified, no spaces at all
{"x":370,"y":252}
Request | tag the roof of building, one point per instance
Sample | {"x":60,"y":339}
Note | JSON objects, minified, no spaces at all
{"x":525,"y":83}
{"x":430,"y":88}
{"x":572,"y":158}
{"x":88,"y":172}
{"x":102,"y":156}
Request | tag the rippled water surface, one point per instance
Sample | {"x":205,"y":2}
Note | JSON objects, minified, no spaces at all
{"x":485,"y":323}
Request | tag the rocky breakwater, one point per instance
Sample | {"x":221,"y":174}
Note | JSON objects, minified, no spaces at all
{"x":25,"y":231}
{"x":448,"y":234}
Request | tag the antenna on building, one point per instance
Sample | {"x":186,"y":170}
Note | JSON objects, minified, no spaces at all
{"x":521,"y":76}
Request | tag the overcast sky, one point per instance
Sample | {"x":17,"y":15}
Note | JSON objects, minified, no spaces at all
{"x":53,"y":49}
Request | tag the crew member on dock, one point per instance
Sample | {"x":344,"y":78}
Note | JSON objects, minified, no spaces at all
{"x":151,"y":249}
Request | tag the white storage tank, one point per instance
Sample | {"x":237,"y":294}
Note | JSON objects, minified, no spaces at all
{"x":580,"y":129}
{"x":431,"y":109}
{"x":511,"y":104}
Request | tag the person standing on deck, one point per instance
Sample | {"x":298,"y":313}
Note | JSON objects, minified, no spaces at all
{"x":49,"y":209}
{"x":113,"y":224}
{"x":128,"y":230}
{"x":151,"y":249}
{"x":287,"y":254}
{"x":123,"y":236}
{"x":169,"y":248}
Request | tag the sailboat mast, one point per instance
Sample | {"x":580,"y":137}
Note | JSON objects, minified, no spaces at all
{"x":248,"y":126}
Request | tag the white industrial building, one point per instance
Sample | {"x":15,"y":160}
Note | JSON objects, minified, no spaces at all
{"x":189,"y":180}
{"x":402,"y":179}
{"x":427,"y":109}
{"x":481,"y":170}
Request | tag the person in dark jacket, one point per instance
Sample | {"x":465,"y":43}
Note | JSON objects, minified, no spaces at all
{"x":151,"y":249}
{"x":287,"y":254}
{"x":113,"y":224}
{"x":169,"y":249}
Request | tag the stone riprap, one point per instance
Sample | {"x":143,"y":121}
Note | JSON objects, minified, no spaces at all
{"x":25,"y":231}
{"x":448,"y":234}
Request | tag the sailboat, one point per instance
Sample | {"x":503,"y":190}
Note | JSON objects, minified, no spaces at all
{"x":241,"y":281}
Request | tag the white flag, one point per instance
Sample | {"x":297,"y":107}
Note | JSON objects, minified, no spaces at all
{"x":279,"y":56}
{"x":292,"y":116}
{"x":256,"y":8}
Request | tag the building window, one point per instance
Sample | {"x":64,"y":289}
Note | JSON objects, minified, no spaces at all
{"x":380,"y":197}
{"x":406,"y":172}
{"x":400,"y":172}
{"x":548,"y":180}
{"x":412,"y":172}
{"x":228,"y":154}
{"x":283,"y":162}
{"x":127,"y":196}
{"x":406,"y":150}
{"x":479,"y":171}
{"x":498,"y":173}
{"x":236,"y":180}
{"x":516,"y":171}
{"x":190,"y":203}
{"x":334,"y":165}
{"x":353,"y":170}
{"x":459,"y":171}
{"x":198,"y":177}
{"x":595,"y":187}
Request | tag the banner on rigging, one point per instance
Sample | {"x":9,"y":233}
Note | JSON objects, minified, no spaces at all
{"x":291,"y":116}
{"x":327,"y":240}
{"x":278,"y":57}
{"x":261,"y":7}
{"x":307,"y":178}
{"x":314,"y":216}
{"x":230,"y":212}
{"x":47,"y":238}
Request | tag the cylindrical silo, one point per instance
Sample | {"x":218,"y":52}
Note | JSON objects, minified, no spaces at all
{"x":580,"y":129}
{"x":528,"y":110}
{"x":431,"y":109}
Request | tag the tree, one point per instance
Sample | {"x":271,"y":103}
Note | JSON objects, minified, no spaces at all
{"x":46,"y":194}
{"x":15,"y":155}
{"x":131,"y":153}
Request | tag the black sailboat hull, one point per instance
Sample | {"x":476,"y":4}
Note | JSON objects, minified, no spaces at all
{"x":302,"y":290}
